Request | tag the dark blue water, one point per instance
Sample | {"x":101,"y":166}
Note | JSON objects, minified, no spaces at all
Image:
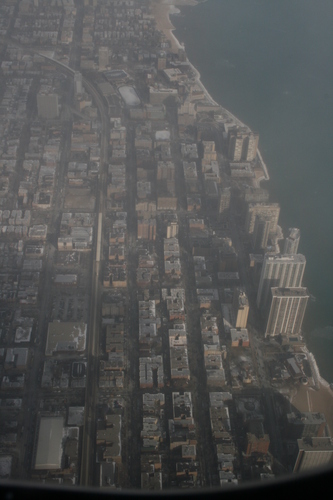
{"x":271,"y":64}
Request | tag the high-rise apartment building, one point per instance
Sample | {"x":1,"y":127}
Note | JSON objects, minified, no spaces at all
{"x":287,"y":311}
{"x":292,"y":241}
{"x":305,"y":425}
{"x":235,"y":146}
{"x":313,"y":452}
{"x":240,"y":307}
{"x":172,"y":229}
{"x":269,"y":211}
{"x":224,"y":204}
{"x":47,"y":103}
{"x":147,"y":229}
{"x":256,"y":195}
{"x":262,"y":228}
{"x":242,"y":144}
{"x":283,"y":271}
{"x":103,"y":57}
{"x":161,"y":60}
{"x":250,"y":147}
{"x":209,"y":152}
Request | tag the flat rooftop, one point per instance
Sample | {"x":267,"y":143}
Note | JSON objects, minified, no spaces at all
{"x":66,"y":337}
{"x":49,"y":445}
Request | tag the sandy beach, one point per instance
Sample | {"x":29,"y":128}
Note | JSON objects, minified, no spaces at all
{"x":318,"y":398}
{"x":315,"y":400}
{"x":161,"y":10}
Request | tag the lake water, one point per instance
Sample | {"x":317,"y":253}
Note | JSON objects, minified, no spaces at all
{"x":271,"y":64}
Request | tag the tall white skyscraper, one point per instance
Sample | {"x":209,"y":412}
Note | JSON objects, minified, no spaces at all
{"x":287,"y":311}
{"x":224,"y":203}
{"x":103,"y":57}
{"x":313,"y":452}
{"x":283,"y":271}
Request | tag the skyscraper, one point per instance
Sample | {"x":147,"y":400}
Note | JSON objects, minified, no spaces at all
{"x":225,"y":196}
{"x":270,"y":211}
{"x":250,"y":146}
{"x":292,"y":241}
{"x":103,"y":57}
{"x":256,"y":195}
{"x":242,"y":144}
{"x":240,"y":307}
{"x":161,"y":60}
{"x":172,"y":229}
{"x":283,"y":271}
{"x":262,"y":227}
{"x":313,"y":452}
{"x":287,"y":310}
{"x":305,"y":425}
{"x":147,"y":228}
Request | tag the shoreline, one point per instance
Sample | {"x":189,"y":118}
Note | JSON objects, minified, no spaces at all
{"x":318,"y":399}
{"x":166,"y":8}
{"x":161,"y":10}
{"x":305,"y":397}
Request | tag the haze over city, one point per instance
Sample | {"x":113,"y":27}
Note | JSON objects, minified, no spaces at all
{"x":151,"y":303}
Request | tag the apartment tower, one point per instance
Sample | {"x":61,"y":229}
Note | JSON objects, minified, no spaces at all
{"x":242,"y":144}
{"x":292,"y":241}
{"x":287,"y":311}
{"x":313,"y":452}
{"x":262,"y":228}
{"x":269,"y":211}
{"x":240,"y":308}
{"x":283,"y":271}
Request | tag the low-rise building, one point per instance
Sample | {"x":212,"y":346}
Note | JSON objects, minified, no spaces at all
{"x":66,"y":337}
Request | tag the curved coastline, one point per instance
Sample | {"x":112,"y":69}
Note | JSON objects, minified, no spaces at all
{"x":170,"y":6}
{"x":306,"y":398}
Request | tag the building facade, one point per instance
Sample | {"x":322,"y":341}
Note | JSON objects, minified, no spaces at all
{"x":292,"y":241}
{"x":262,"y":228}
{"x":240,"y":307}
{"x":224,"y":204}
{"x":242,"y":144}
{"x":283,"y":271}
{"x":103,"y":57}
{"x":269,"y":211}
{"x":287,"y":311}
{"x":313,"y":452}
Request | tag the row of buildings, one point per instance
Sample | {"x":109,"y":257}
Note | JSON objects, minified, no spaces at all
{"x":176,"y":359}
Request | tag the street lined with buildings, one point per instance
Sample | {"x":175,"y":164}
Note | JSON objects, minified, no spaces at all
{"x":151,"y":317}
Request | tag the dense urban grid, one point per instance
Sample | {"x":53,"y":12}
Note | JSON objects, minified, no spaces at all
{"x":151,"y":307}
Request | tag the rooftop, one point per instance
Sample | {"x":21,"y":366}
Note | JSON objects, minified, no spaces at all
{"x":65,"y":337}
{"x":49,"y":446}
